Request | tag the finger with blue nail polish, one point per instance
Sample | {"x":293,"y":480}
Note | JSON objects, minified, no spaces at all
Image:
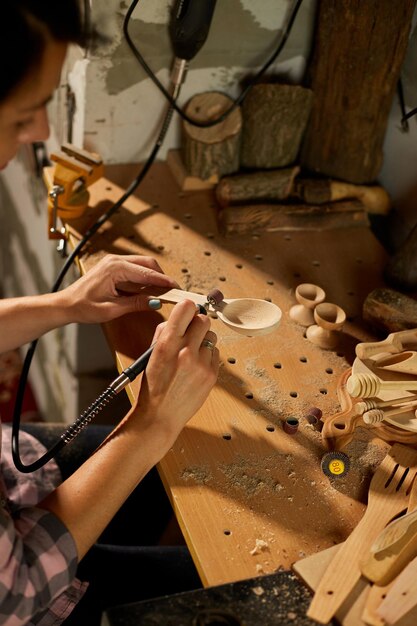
{"x":154,"y":304}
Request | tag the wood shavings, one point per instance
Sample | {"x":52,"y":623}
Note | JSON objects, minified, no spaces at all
{"x":199,"y":474}
{"x":250,"y":484}
{"x":260,"y":546}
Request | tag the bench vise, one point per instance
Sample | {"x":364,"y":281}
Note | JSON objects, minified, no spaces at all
{"x":67,"y":182}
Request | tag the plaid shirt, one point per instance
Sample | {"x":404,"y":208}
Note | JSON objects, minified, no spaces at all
{"x":38,"y":558}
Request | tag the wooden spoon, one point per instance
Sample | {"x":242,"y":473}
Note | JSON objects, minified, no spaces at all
{"x":395,"y":342}
{"x":247,"y":316}
{"x":405,"y":362}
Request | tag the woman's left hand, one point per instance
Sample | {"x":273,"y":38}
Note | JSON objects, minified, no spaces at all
{"x":114,"y":287}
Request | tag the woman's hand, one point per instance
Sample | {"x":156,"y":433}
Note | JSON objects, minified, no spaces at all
{"x":118,"y":284}
{"x":181,"y":372}
{"x":113,"y":287}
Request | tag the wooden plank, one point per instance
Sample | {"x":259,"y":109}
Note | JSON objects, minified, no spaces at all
{"x":249,"y":498}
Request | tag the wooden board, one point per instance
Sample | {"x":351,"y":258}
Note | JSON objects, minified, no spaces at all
{"x":249,"y":497}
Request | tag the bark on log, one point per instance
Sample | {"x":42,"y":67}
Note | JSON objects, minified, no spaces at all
{"x":239,"y":220}
{"x":389,"y":311}
{"x":265,"y":186}
{"x":274,"y":120}
{"x":212,"y":151}
{"x":358,"y":52}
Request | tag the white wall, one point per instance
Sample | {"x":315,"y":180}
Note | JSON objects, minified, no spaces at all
{"x":119,"y":107}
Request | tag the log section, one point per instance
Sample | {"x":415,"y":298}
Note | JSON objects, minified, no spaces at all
{"x":357,"y":57}
{"x":255,"y":218}
{"x":389,"y":311}
{"x":264,"y":186}
{"x":274,"y":121}
{"x":211,"y":151}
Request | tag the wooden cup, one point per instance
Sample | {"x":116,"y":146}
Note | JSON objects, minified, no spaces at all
{"x":308,"y":297}
{"x":329,"y":320}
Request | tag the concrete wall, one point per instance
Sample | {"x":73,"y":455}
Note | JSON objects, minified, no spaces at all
{"x":120,"y":111}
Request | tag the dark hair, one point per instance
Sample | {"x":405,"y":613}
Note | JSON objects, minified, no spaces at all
{"x":27,"y":24}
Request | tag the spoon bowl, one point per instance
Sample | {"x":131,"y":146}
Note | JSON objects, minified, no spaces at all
{"x":249,"y":316}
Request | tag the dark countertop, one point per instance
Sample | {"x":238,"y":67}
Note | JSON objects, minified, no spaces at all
{"x":278,"y":599}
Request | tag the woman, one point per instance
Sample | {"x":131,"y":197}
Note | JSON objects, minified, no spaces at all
{"x":51,"y":520}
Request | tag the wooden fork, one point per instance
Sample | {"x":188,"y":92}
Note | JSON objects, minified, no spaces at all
{"x":388,"y":496}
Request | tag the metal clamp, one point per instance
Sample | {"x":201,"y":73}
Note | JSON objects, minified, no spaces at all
{"x":67,"y":182}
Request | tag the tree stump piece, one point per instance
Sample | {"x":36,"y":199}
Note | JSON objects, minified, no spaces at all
{"x":359,"y":48}
{"x":389,"y":311}
{"x":265,"y":186}
{"x":254,"y":218}
{"x":212,"y":151}
{"x":274,"y":120}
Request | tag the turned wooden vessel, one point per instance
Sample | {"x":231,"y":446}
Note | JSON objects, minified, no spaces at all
{"x":308,"y":297}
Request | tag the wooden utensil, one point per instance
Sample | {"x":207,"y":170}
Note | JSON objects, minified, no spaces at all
{"x":371,"y":416}
{"x":377,"y":593}
{"x":394,"y":548}
{"x":388,"y":496}
{"x":339,"y":428}
{"x":401,"y":597}
{"x":355,"y":611}
{"x":247,"y":316}
{"x":406,"y":421}
{"x":312,"y":568}
{"x":395,"y":342}
{"x":369,"y":385}
{"x":405,"y":362}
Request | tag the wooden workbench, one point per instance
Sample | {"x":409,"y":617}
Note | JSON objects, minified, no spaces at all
{"x":249,"y":498}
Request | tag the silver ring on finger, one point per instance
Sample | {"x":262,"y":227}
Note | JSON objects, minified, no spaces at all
{"x":206,"y":343}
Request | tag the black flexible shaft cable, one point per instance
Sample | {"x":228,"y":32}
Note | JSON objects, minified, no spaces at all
{"x":31,"y":351}
{"x":243,"y":94}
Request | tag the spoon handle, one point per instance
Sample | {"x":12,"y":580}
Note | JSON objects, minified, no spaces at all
{"x":178,"y":295}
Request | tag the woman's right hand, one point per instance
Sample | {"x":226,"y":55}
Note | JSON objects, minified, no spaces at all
{"x":181,"y":371}
{"x":179,"y":376}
